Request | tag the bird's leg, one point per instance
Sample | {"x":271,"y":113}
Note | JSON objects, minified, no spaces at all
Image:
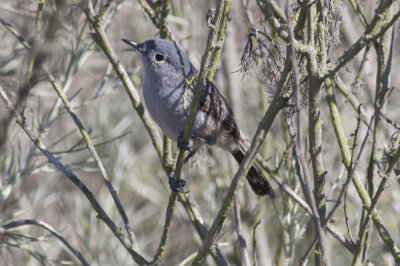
{"x":191,"y":153}
{"x":183,"y":145}
{"x":188,"y":146}
{"x":210,"y":141}
{"x":177,"y":185}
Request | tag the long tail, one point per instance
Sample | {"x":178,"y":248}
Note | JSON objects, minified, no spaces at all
{"x":256,"y":179}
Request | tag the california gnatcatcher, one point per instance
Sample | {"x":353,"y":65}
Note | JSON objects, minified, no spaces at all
{"x":163,"y":92}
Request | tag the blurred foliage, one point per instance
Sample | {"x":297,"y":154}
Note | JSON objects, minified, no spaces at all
{"x":277,"y":231}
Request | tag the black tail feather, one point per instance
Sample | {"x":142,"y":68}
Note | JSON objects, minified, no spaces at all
{"x":258,"y":182}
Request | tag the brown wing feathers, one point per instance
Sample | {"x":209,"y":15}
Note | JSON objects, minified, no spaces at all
{"x":214,"y":103}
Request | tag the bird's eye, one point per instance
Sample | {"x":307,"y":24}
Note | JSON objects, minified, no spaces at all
{"x":159,"y":57}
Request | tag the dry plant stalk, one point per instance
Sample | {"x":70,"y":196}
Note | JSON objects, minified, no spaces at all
{"x":329,"y":134}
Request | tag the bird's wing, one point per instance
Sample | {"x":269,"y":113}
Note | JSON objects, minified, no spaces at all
{"x":214,"y":103}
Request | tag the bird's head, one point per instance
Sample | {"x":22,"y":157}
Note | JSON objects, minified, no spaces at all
{"x":162,"y":57}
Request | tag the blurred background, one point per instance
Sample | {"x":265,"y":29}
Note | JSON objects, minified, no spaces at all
{"x":31,"y":188}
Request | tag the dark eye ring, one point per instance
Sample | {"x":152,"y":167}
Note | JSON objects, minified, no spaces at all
{"x":159,"y":57}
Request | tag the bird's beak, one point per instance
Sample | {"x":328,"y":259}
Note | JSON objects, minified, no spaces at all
{"x":129,"y":42}
{"x":137,"y":46}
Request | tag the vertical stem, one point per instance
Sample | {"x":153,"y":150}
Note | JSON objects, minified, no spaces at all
{"x":165,"y":7}
{"x":242,"y":241}
{"x":276,"y":105}
{"x":362,"y":192}
{"x":220,"y":41}
{"x":384,"y":58}
{"x":188,"y":127}
{"x":163,"y":19}
{"x":316,"y":27}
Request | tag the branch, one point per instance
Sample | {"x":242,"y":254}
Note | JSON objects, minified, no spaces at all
{"x":47,"y":227}
{"x":84,"y":134}
{"x":95,"y":156}
{"x":220,"y":41}
{"x":284,"y":187}
{"x":100,"y":37}
{"x":163,"y":19}
{"x":76,"y":181}
{"x":384,"y":57}
{"x":375,"y":30}
{"x":362,"y":192}
{"x":330,"y":98}
{"x":280,"y":29}
{"x":276,"y":105}
{"x":201,"y":76}
{"x":242,"y":241}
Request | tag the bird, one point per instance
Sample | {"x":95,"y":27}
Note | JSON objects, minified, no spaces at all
{"x":167,"y":69}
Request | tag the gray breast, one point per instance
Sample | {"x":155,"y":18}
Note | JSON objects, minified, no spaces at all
{"x":165,"y":106}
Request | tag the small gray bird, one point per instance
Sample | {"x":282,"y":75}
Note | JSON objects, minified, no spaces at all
{"x":163,"y":91}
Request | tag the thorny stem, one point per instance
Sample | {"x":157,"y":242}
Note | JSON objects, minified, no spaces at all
{"x":162,"y":26}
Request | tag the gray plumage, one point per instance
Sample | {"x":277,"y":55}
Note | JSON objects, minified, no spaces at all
{"x":163,"y":90}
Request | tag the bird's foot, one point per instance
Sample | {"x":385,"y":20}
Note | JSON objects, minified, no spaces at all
{"x":188,"y":146}
{"x":176,"y":185}
{"x":209,"y":141}
{"x":190,"y":155}
{"x":184,"y":145}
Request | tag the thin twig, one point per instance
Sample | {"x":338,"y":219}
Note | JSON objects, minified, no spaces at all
{"x":353,"y":164}
{"x":47,"y":227}
{"x":339,"y":84}
{"x":255,"y":242}
{"x":199,"y":81}
{"x":303,"y":260}
{"x":316,"y":202}
{"x":362,"y":192}
{"x":87,"y":139}
{"x":277,"y":104}
{"x":284,"y":187}
{"x":346,"y":217}
{"x":242,"y":241}
{"x":100,"y":37}
{"x":378,"y":26}
{"x":96,"y":158}
{"x":384,"y":53}
{"x":76,"y":181}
